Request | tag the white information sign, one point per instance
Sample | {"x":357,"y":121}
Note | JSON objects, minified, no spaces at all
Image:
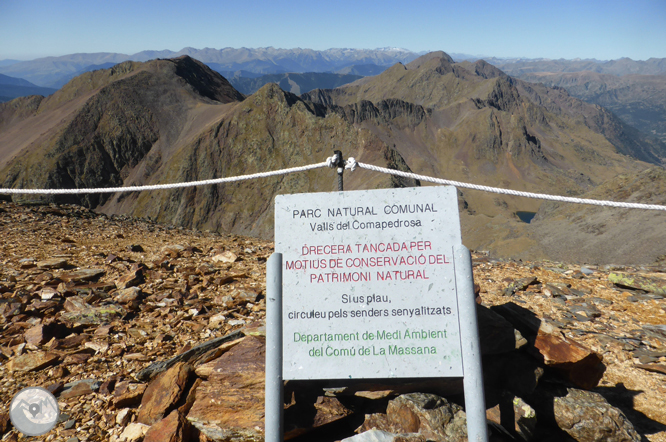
{"x":368,"y":283}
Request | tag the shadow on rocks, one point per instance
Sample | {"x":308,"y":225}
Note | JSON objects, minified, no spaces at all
{"x":623,"y":398}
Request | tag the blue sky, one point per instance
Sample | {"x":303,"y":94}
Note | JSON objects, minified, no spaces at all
{"x":551,"y":29}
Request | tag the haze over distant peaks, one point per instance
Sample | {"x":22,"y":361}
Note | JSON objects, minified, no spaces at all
{"x":50,"y":71}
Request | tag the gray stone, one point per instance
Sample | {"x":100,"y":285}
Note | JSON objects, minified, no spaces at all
{"x":657,"y":331}
{"x":584,"y":415}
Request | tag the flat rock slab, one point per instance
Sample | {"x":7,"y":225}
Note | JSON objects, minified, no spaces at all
{"x":128,"y":394}
{"x":652,"y":285}
{"x":655,"y":368}
{"x":80,"y":388}
{"x":82,"y":275}
{"x":230,"y":404}
{"x":657,"y":331}
{"x":32,"y":361}
{"x":55,"y":263}
{"x":94,"y":315}
{"x":578,"y":364}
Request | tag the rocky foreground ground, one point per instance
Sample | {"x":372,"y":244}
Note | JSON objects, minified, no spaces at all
{"x":146,"y":331}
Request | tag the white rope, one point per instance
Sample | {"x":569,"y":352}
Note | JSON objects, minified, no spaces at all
{"x":168,"y":186}
{"x":352,"y":164}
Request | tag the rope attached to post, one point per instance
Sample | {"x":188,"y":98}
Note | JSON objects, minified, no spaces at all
{"x":341,"y":168}
{"x":338,"y":162}
{"x":353,"y":164}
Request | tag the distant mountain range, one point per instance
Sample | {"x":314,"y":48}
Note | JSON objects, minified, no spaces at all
{"x":11,"y":88}
{"x":622,"y":66}
{"x":56,"y":71}
{"x":51,"y":71}
{"x":295,"y":83}
{"x":177,"y":120}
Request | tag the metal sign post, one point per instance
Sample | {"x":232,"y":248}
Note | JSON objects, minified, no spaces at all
{"x":274,"y":408}
{"x":378,"y":286}
{"x":475,"y":403}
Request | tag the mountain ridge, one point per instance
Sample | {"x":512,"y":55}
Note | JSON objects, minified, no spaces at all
{"x":639,"y":100}
{"x":177,"y":120}
{"x":47,"y":70}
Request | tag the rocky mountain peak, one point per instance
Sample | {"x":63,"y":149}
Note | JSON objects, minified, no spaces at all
{"x":442,"y":56}
{"x":204,"y":80}
{"x":487,"y":70}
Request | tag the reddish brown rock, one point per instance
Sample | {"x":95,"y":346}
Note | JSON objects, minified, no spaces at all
{"x":375,"y":421}
{"x":191,"y":397}
{"x":173,"y":428}
{"x":575,"y":362}
{"x":37,"y":335}
{"x":107,"y":386}
{"x":76,"y":358}
{"x":128,"y":295}
{"x":32,"y":361}
{"x":128,"y":394}
{"x":329,"y":410}
{"x":5,"y":423}
{"x":230,"y":404}
{"x":60,"y":372}
{"x":163,"y":393}
{"x":80,"y":388}
{"x":56,"y":388}
{"x":131,"y":279}
{"x":75,"y":304}
{"x":572,"y":360}
{"x":71,"y":341}
{"x":309,"y":412}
